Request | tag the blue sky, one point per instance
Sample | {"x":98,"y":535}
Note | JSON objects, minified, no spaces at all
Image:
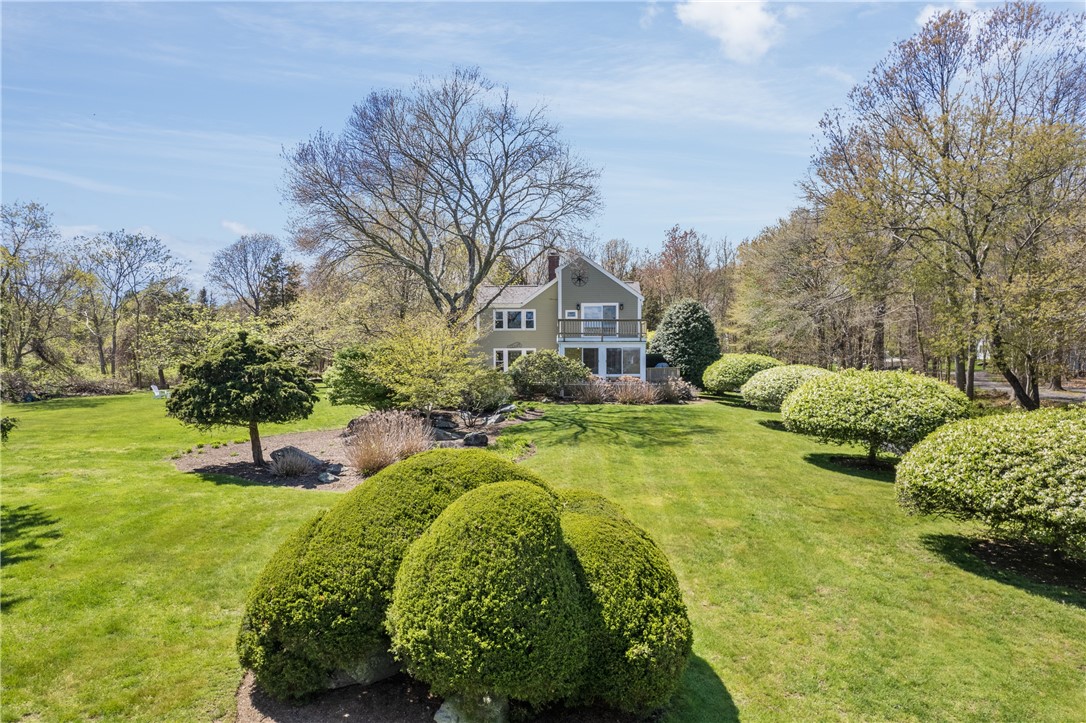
{"x":170,"y":118}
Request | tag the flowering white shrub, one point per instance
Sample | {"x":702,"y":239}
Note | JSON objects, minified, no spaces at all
{"x":872,"y":408}
{"x":768,"y":388}
{"x":732,"y":371}
{"x":1021,"y":473}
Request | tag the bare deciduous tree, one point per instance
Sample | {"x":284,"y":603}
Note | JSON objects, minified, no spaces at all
{"x":442,"y":181}
{"x":241,"y":269}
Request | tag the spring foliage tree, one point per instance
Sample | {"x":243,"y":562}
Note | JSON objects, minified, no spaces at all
{"x":243,"y":382}
{"x":442,"y":181}
{"x":966,"y":149}
{"x":687,"y":339}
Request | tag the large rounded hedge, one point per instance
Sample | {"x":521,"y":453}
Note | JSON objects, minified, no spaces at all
{"x":639,"y":632}
{"x":1023,"y":473}
{"x":768,"y":388}
{"x":318,"y":610}
{"x":731,"y":371}
{"x":487,"y":602}
{"x":872,"y":408}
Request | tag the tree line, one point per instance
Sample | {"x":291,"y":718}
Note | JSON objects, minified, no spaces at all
{"x":943,"y":227}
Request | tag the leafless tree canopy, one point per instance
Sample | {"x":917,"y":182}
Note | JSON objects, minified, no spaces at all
{"x":239,"y":269}
{"x":442,"y":181}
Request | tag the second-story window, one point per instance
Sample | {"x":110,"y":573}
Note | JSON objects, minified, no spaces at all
{"x":514,"y":319}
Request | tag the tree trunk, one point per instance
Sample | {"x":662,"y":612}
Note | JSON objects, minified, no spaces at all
{"x":970,"y":375}
{"x":1021,"y":394}
{"x":878,"y":343}
{"x":254,"y":440}
{"x":162,"y":378}
{"x":1057,"y":383}
{"x":873,"y":452}
{"x":101,"y":354}
{"x":959,"y":372}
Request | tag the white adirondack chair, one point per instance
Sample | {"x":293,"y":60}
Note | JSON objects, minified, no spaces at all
{"x":159,"y":393}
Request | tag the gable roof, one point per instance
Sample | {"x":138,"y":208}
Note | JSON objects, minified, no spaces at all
{"x":512,"y":295}
{"x":633,"y":286}
{"x":521,"y":294}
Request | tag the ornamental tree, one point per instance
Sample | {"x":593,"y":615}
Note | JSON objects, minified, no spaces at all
{"x":687,"y":338}
{"x":872,"y":408}
{"x":243,"y":382}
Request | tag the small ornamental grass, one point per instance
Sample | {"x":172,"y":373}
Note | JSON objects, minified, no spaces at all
{"x":768,"y":388}
{"x":384,"y":438}
{"x":631,"y":390}
{"x":731,"y":371}
{"x":594,"y":391}
{"x":872,"y":408}
{"x":1022,"y":474}
{"x":675,"y":390}
{"x":289,"y":463}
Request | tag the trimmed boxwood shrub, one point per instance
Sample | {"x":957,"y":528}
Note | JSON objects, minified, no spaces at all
{"x":872,"y":408}
{"x":687,"y":338}
{"x":546,"y":372}
{"x":320,"y":606}
{"x":731,"y":371}
{"x":768,"y":388}
{"x":1021,"y":473}
{"x":639,"y":632}
{"x":487,"y":602}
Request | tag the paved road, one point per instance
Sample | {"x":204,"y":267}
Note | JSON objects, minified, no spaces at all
{"x":995,"y":382}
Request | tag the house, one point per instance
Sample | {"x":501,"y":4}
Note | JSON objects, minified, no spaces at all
{"x":582,"y":312}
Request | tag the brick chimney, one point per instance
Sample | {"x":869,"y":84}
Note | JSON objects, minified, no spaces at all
{"x":552,"y":265}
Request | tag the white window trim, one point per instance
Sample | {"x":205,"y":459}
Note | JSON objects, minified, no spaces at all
{"x":505,"y":357}
{"x":505,"y":319}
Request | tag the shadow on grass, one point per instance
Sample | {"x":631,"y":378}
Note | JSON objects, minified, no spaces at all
{"x":728,"y":399}
{"x":655,"y":426}
{"x":1020,"y":564}
{"x":774,"y":424}
{"x":841,"y":463}
{"x":702,"y":696}
{"x":67,"y":403}
{"x":24,"y":528}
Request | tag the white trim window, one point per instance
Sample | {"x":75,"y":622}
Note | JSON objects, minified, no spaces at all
{"x":504,"y":357}
{"x":514,"y":319}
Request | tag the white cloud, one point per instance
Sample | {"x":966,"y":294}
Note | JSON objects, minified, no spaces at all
{"x":746,"y":30}
{"x":74,"y":231}
{"x":86,"y":184}
{"x":237,"y":228}
{"x":835,"y":73}
{"x":648,"y":15}
{"x":930,"y":12}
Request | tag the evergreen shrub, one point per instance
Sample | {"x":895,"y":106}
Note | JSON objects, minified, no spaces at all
{"x":732,"y":371}
{"x":768,"y":388}
{"x":320,"y":606}
{"x":546,"y":372}
{"x":686,"y":337}
{"x":1023,"y":474}
{"x":639,"y":633}
{"x":892,"y":408}
{"x":487,"y":602}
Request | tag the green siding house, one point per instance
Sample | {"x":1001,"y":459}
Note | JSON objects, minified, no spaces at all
{"x":582,"y":312}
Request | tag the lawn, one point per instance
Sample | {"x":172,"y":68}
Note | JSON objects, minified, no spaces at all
{"x":812,"y":595}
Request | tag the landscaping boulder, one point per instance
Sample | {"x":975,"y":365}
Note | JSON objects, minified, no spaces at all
{"x":442,"y":435}
{"x":487,"y":710}
{"x":327,"y":477}
{"x":476,"y":439}
{"x":313,"y":461}
{"x":442,"y":423}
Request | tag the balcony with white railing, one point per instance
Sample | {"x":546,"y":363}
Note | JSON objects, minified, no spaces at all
{"x":601,"y":330}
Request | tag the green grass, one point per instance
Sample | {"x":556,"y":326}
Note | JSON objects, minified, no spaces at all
{"x":123,"y":579}
{"x":812,"y":595}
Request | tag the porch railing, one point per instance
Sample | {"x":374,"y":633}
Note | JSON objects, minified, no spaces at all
{"x":601,"y":329}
